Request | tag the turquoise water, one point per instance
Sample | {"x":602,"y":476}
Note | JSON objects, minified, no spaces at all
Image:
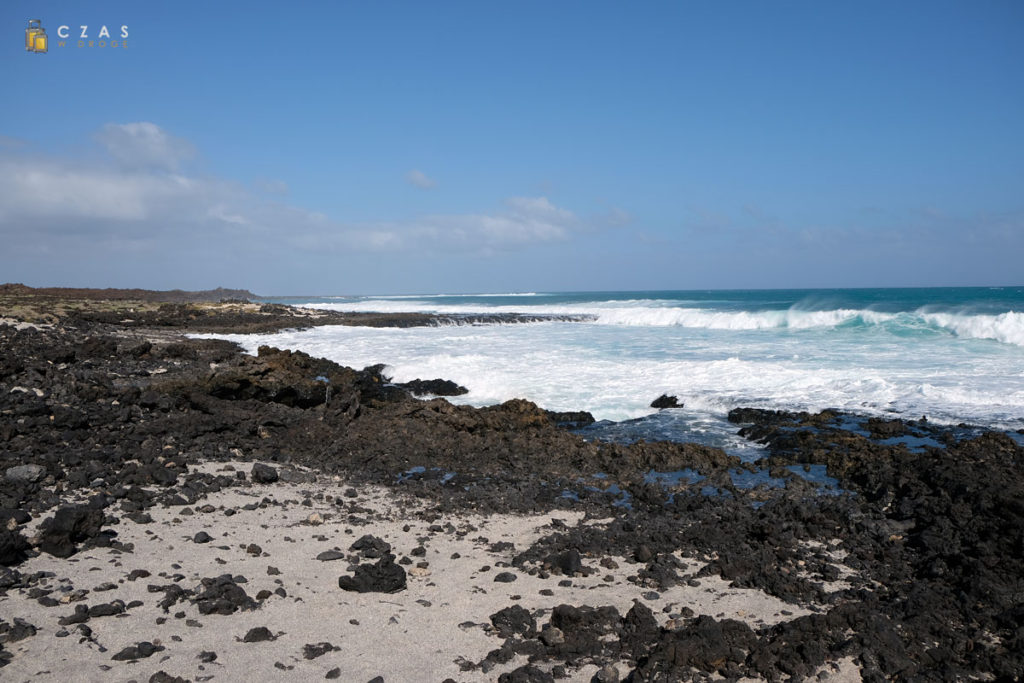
{"x":953,"y":354}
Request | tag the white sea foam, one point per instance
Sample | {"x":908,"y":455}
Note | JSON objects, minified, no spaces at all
{"x":1007,"y":328}
{"x":614,"y":370}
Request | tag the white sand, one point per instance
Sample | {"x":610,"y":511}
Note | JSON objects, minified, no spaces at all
{"x":413,"y":635}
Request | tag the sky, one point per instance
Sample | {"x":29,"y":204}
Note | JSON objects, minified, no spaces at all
{"x":414,"y":147}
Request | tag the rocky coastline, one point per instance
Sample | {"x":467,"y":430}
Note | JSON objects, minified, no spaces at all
{"x":174,"y":509}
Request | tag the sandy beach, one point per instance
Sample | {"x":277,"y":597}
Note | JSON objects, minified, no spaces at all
{"x":442,"y":620}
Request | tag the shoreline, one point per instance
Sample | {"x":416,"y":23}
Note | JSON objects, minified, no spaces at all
{"x":94,"y":411}
{"x":211,"y":312}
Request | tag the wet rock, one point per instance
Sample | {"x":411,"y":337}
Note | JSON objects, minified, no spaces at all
{"x":437,"y":387}
{"x":666,"y":401}
{"x":383,"y":577}
{"x":571,"y":419}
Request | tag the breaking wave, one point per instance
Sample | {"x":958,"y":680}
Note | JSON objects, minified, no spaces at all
{"x":1007,"y":328}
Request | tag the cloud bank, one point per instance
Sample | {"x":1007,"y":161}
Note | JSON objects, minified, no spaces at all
{"x":143,"y":196}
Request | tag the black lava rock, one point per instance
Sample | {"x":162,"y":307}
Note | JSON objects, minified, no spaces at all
{"x":666,"y":401}
{"x":383,"y":577}
{"x":437,"y":387}
{"x":263,"y":474}
{"x":71,"y":524}
{"x":371,"y":547}
{"x":222,"y":595}
{"x":514,"y":620}
{"x":12,"y":548}
{"x":137,"y":651}
{"x":312,"y":651}
{"x":258,"y":634}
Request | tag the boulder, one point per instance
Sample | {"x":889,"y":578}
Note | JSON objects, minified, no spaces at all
{"x":666,"y":401}
{"x":383,"y":577}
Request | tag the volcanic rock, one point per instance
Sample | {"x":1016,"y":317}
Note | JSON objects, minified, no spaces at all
{"x":222,"y":595}
{"x":12,"y":548}
{"x":383,"y":577}
{"x":138,"y":651}
{"x":514,"y":620}
{"x":263,"y":474}
{"x":436,"y":387}
{"x":25,"y":473}
{"x":666,"y":401}
{"x":71,"y":524}
{"x":371,"y":547}
{"x":258,"y":634}
{"x":312,"y":651}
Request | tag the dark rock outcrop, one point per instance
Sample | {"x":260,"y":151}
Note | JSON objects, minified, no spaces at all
{"x":384,"y":576}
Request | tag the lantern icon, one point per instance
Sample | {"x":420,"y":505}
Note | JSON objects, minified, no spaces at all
{"x":35,"y":36}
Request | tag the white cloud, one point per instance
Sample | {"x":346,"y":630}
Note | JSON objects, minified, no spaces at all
{"x":420,"y":179}
{"x":143,"y":199}
{"x":144,"y":145}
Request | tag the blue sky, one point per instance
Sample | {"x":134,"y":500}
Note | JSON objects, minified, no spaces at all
{"x":386,"y":147}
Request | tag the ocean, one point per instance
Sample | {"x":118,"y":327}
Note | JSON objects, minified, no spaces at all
{"x":951,"y":354}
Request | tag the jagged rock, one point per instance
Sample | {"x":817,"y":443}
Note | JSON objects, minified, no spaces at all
{"x":436,"y":387}
{"x":13,"y":547}
{"x":371,"y":547}
{"x":383,"y":577}
{"x":70,"y":525}
{"x":514,"y":620}
{"x":21,"y":474}
{"x":312,"y":651}
{"x":666,"y":401}
{"x":258,"y":634}
{"x":222,"y":595}
{"x":263,"y":474}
